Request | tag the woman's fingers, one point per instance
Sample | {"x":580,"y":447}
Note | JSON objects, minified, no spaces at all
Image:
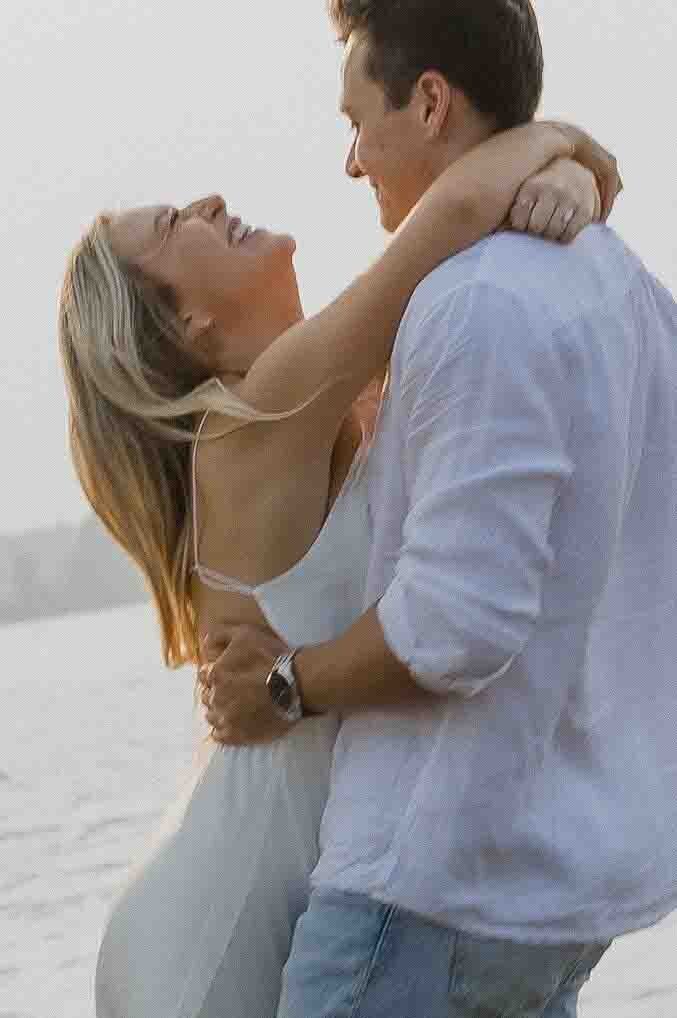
{"x":559,"y":222}
{"x":611,"y":187}
{"x":558,"y":203}
{"x":520,"y":213}
{"x":578,"y":222}
{"x":214,"y":718}
{"x":596,"y":158}
{"x":608,"y":180}
{"x":607,"y":206}
{"x":551,"y":221}
{"x":597,"y":211}
{"x":542,"y":214}
{"x":216,"y":640}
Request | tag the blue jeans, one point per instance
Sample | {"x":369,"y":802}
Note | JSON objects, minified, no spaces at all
{"x":353,"y":957}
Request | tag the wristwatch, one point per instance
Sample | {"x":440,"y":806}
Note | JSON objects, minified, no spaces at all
{"x":283,"y":689}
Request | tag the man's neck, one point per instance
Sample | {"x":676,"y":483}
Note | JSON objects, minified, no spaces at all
{"x":449,"y":150}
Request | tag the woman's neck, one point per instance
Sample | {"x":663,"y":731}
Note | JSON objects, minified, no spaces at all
{"x":262,"y":331}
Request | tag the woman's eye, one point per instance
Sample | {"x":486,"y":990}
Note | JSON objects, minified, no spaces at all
{"x":172,"y":220}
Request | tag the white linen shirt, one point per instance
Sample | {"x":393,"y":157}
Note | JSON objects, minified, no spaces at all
{"x":523,"y":496}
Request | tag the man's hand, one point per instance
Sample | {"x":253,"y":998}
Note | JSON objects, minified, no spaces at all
{"x":233,"y":685}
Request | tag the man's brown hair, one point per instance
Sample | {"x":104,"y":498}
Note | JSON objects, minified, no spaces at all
{"x":489,"y":49}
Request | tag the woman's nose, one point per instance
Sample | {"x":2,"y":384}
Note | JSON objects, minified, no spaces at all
{"x":208,"y":207}
{"x":213,"y":205}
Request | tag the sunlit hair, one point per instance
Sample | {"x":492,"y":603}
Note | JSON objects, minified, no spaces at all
{"x":135,"y":396}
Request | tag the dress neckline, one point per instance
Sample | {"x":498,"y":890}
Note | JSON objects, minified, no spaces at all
{"x":353,"y":472}
{"x":216,"y":580}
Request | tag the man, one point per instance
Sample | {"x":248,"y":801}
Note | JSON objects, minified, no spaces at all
{"x":504,"y":788}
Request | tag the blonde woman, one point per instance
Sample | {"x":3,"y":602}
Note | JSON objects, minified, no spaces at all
{"x":217,"y":435}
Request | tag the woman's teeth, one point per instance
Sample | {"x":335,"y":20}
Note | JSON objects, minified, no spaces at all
{"x":240,"y":233}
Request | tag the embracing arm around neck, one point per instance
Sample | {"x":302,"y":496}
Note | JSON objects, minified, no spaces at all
{"x":340,"y":349}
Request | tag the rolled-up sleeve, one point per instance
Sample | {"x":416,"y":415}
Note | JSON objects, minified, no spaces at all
{"x":484,"y":397}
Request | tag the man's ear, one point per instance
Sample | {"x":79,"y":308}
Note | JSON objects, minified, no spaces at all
{"x":196,"y":325}
{"x":435,"y":99}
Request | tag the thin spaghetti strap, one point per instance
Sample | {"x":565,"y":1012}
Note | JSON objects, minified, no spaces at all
{"x":196,"y":561}
{"x":223,"y":584}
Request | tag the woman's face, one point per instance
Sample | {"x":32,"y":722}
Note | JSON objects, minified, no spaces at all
{"x":222,"y":273}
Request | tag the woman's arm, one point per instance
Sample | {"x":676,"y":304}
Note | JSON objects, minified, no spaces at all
{"x":345,"y":345}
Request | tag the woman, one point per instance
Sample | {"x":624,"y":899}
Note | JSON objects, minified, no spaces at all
{"x":181,"y":326}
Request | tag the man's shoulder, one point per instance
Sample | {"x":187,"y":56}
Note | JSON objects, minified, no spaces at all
{"x":551,"y":283}
{"x":517,"y":262}
{"x":439,"y":303}
{"x":441,"y":286}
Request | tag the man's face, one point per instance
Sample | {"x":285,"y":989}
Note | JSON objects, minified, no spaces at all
{"x":389,"y":146}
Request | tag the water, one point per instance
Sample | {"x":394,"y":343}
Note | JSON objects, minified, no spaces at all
{"x":97,"y":740}
{"x":97,"y":737}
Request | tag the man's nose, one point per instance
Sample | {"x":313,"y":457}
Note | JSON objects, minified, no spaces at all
{"x":353,"y":168}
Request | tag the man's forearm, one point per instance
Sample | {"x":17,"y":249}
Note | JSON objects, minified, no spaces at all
{"x":355,"y":672}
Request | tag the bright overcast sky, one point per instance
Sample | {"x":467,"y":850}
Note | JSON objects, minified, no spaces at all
{"x":125,"y":102}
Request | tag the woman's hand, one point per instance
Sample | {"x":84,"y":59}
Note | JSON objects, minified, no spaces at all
{"x":558,"y":202}
{"x":592,"y":155}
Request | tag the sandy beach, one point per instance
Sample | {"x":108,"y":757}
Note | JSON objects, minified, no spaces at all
{"x":98,"y":739}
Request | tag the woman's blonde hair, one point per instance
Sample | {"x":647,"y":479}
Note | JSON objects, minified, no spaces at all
{"x":135,"y":393}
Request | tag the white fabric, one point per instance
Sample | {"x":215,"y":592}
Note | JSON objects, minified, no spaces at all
{"x":205,"y":923}
{"x":523,"y":493}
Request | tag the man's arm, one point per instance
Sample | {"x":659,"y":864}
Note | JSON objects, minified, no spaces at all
{"x":354,"y":672}
{"x":487,"y":416}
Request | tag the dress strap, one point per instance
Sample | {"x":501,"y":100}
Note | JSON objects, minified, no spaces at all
{"x":210,"y":577}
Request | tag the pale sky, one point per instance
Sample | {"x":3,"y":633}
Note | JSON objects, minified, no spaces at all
{"x":110,"y":104}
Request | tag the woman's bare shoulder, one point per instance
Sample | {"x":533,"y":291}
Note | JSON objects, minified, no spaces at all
{"x":259,"y":505}
{"x":238,"y":456}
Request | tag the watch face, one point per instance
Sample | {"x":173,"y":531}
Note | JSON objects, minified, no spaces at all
{"x":281,"y":692}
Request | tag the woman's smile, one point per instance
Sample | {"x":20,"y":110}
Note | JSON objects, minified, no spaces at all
{"x":240,"y":232}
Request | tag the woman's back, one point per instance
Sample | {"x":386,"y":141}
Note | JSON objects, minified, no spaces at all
{"x":256,"y":520}
{"x":205,"y":923}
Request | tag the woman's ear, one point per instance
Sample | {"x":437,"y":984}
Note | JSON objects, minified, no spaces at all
{"x":196,"y":325}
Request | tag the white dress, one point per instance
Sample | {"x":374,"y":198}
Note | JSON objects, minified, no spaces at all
{"x":203,"y":928}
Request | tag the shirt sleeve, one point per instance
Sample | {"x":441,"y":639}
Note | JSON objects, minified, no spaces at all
{"x":487,"y":419}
